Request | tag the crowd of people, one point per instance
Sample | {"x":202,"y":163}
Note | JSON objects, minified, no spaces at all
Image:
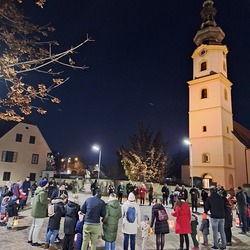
{"x":84,"y":223}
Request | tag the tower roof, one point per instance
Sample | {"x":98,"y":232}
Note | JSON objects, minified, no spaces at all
{"x":209,"y":32}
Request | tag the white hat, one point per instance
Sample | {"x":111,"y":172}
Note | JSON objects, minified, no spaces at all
{"x":131,"y":197}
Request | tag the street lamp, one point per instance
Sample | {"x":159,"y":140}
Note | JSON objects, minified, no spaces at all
{"x":187,"y":142}
{"x":97,"y":148}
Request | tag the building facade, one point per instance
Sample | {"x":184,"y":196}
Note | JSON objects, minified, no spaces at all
{"x":23,"y":152}
{"x":218,"y":155}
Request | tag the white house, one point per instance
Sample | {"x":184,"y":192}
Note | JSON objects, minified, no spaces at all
{"x":23,"y":152}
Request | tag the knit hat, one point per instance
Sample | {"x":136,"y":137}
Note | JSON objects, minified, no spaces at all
{"x":145,"y":217}
{"x":131,"y":197}
{"x":204,"y":216}
{"x":43,"y":183}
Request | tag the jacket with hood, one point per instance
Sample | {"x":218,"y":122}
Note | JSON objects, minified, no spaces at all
{"x":128,"y":227}
{"x":54,"y":221}
{"x":111,"y":219}
{"x":40,"y":203}
{"x":71,"y":217}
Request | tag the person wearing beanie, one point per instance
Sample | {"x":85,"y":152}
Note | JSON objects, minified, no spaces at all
{"x":204,"y":228}
{"x":130,"y":222}
{"x":145,"y":231}
{"x":38,"y":211}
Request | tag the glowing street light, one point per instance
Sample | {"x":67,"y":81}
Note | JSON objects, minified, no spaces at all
{"x":97,"y":148}
{"x":187,"y":142}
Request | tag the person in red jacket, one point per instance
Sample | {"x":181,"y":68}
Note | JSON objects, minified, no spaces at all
{"x":183,"y":219}
{"x":142,"y":194}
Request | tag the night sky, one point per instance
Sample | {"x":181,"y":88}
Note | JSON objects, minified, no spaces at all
{"x":139,"y":66}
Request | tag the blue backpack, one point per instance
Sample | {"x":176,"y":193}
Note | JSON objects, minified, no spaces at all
{"x":130,"y":215}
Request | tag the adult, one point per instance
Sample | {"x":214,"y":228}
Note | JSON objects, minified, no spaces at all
{"x":150,"y":193}
{"x":94,"y":188}
{"x":183,"y":221}
{"x":136,"y":191}
{"x":111,"y":188}
{"x":71,"y":217}
{"x":16,"y":190}
{"x":195,"y":195}
{"x":38,"y":212}
{"x":26,"y":188}
{"x":6,"y":191}
{"x":242,"y":206}
{"x":143,"y":191}
{"x":59,"y":191}
{"x":228,"y":221}
{"x":52,"y":187}
{"x":129,"y":187}
{"x":93,"y":208}
{"x":160,"y":227}
{"x":129,"y":228}
{"x":183,"y":193}
{"x":110,"y":221}
{"x":165,"y":194}
{"x":120,"y":191}
{"x":216,"y":204}
{"x":204,"y":195}
{"x":33,"y":188}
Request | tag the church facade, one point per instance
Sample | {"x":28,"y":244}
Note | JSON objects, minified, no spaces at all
{"x":219,"y":146}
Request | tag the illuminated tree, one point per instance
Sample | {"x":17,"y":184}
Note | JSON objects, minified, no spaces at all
{"x":25,"y":49}
{"x":146,"y":159}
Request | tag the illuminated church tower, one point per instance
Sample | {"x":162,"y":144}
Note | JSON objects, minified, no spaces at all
{"x":210,"y":105}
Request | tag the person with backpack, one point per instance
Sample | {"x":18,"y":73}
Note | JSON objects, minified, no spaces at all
{"x":54,"y":221}
{"x":131,"y":221}
{"x":159,"y":219}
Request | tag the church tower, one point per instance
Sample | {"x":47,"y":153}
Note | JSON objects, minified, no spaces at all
{"x":210,"y":105}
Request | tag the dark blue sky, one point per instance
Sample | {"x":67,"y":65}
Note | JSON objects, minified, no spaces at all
{"x":138,"y":68}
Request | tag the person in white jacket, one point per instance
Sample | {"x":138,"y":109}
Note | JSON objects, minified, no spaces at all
{"x":130,"y":222}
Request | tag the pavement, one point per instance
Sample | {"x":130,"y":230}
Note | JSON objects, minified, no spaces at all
{"x":18,"y":237}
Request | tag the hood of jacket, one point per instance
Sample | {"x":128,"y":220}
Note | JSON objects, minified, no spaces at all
{"x":39,"y":190}
{"x":57,"y":200}
{"x":114,"y":204}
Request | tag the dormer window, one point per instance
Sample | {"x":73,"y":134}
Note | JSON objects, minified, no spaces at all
{"x":203,"y":66}
{"x":203,"y":93}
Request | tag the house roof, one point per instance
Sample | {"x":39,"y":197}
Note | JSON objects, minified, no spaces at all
{"x":241,"y":133}
{"x":6,"y":126}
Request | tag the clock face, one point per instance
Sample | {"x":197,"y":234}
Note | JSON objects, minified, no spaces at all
{"x":203,"y":52}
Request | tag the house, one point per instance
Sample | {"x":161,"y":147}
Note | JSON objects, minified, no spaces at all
{"x":23,"y":151}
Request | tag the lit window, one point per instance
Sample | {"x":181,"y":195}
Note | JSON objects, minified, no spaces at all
{"x":203,"y":66}
{"x":19,"y":137}
{"x":35,"y":158}
{"x":205,"y":158}
{"x":203,"y":93}
{"x":9,"y":156}
{"x":32,"y":139}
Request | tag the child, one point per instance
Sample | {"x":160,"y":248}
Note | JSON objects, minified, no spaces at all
{"x":11,"y":209}
{"x":171,"y":197}
{"x":194,"y":224}
{"x":145,"y":230}
{"x":204,"y":228}
{"x":3,"y":211}
{"x":78,"y":230}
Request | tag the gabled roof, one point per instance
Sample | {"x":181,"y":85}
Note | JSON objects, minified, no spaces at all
{"x":6,"y":126}
{"x":242,"y":134}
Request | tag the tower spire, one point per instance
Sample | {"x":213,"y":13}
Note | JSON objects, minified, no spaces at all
{"x":209,"y":32}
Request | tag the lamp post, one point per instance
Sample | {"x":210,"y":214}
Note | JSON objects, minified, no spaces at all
{"x":97,"y":148}
{"x":190,"y":160}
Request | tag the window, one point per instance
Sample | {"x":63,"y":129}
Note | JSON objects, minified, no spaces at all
{"x":6,"y":176}
{"x":32,"y":139}
{"x":205,"y":158}
{"x":19,"y":137}
{"x":204,"y":129}
{"x":228,"y":130}
{"x":225,"y":94}
{"x":229,"y":159}
{"x":224,"y":66}
{"x":203,"y":93}
{"x":9,"y":156}
{"x":32,"y":176}
{"x":35,"y":158}
{"x":203,"y":66}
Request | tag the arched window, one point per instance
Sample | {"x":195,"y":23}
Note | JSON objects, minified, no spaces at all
{"x":205,"y":158}
{"x":203,"y":66}
{"x":203,"y":93}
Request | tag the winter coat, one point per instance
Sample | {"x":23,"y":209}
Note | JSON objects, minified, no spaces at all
{"x":216,"y":204}
{"x":241,"y":202}
{"x":183,"y":218}
{"x":26,"y":186}
{"x":71,"y":217}
{"x":57,"y":193}
{"x":204,"y":227}
{"x":11,"y":208}
{"x":228,"y":216}
{"x":128,"y":227}
{"x":194,"y":224}
{"x":143,"y":192}
{"x":161,"y":227}
{"x":54,"y":221}
{"x":194,"y":193}
{"x":184,"y":194}
{"x":78,"y":230}
{"x":111,"y":219}
{"x":165,"y":191}
{"x":93,"y":208}
{"x":120,"y":189}
{"x":40,"y":203}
